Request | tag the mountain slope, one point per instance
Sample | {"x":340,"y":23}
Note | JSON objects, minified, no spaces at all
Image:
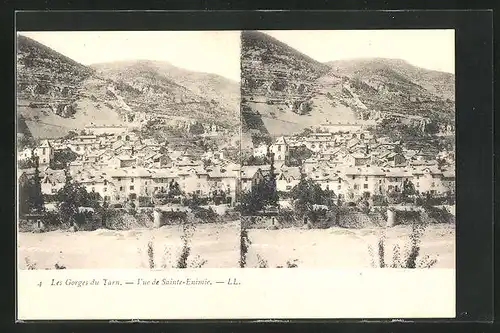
{"x":441,"y":84}
{"x":394,"y":85}
{"x":56,"y":94}
{"x":284,"y":91}
{"x":159,"y":87}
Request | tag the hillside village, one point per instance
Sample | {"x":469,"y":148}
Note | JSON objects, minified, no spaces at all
{"x":123,"y":167}
{"x":353,"y":163}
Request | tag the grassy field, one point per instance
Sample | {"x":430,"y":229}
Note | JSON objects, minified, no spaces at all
{"x":344,"y":248}
{"x":217,"y":244}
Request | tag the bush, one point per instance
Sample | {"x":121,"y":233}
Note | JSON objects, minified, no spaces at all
{"x":205,"y":215}
{"x":408,"y":259}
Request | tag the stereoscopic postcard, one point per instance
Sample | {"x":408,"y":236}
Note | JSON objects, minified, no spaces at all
{"x":235,"y":174}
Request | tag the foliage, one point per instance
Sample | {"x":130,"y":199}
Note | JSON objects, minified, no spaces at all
{"x":253,"y":160}
{"x":244,"y":246}
{"x":30,"y":193}
{"x":432,"y":128}
{"x":408,"y":189}
{"x":292,"y":263}
{"x":187,"y":230}
{"x":306,"y":132}
{"x":26,"y":164}
{"x":174,"y":189}
{"x":410,"y":259}
{"x":62,"y":158}
{"x":151,"y":259}
{"x":25,"y":141}
{"x":308,"y":193}
{"x":72,"y":196}
{"x":262,"y":262}
{"x":205,"y":215}
{"x":196,"y":129}
{"x":299,"y":155}
{"x":71,"y":135}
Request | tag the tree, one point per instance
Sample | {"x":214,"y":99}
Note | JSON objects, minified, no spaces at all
{"x":72,"y":196}
{"x":174,"y":189}
{"x":252,"y":160}
{"x":250,"y":201}
{"x":299,"y":155}
{"x":306,"y":132}
{"x":196,"y":129}
{"x":62,"y":158}
{"x":32,"y":191}
{"x":70,"y":135}
{"x":26,"y":164}
{"x":308,"y":193}
{"x":272,"y":198}
{"x":431,"y":128}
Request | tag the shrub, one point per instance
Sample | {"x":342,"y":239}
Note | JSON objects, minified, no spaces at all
{"x":410,"y":258}
{"x":183,"y":258}
{"x":262,"y":262}
{"x":244,"y":246}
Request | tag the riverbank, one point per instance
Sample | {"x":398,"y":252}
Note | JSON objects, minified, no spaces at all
{"x":216,"y":244}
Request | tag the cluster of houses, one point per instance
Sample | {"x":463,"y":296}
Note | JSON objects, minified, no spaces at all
{"x":120,"y":166}
{"x":354,"y":164}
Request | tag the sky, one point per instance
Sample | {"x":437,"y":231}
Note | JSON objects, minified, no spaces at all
{"x":215,"y":52}
{"x":218,"y":51}
{"x":431,"y":49}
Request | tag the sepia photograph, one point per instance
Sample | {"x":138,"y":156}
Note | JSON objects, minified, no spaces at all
{"x":128,"y":149}
{"x":348,"y":149}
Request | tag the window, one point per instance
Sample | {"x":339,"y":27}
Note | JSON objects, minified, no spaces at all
{"x":418,"y":184}
{"x":44,"y":160}
{"x":338,"y":187}
{"x":433,"y":184}
{"x":43,"y":151}
{"x":418,"y":176}
{"x":198,"y":185}
{"x":353,"y":177}
{"x":121,"y":188}
{"x":380,"y":181}
{"x":366,"y":179}
{"x":365,"y":185}
{"x":356,"y":186}
{"x":105,"y":189}
{"x":279,"y":148}
{"x":146,"y":182}
{"x":132,"y":187}
{"x":105,"y":182}
{"x":131,"y":180}
{"x":93,"y":189}
{"x":340,"y":180}
{"x":119,"y":179}
{"x":288,"y":187}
